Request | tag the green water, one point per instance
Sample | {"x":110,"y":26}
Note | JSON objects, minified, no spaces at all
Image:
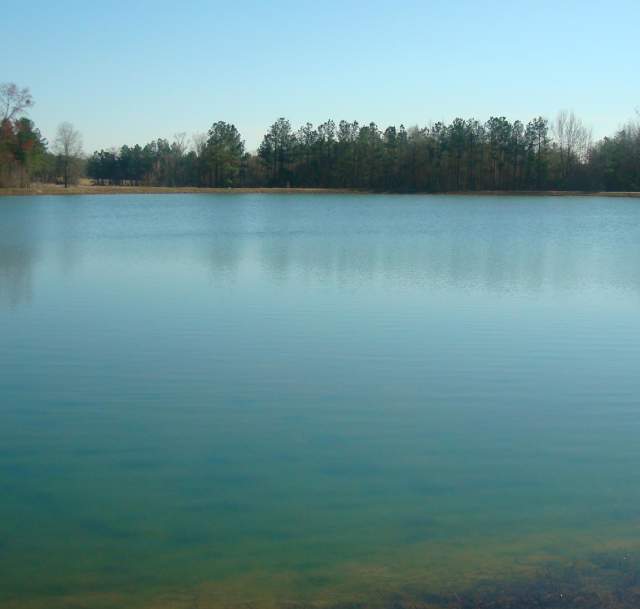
{"x":287,"y":400}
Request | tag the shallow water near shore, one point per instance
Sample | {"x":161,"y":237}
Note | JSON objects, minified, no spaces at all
{"x":319,"y":400}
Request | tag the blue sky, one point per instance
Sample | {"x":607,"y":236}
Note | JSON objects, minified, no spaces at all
{"x":129,"y":72}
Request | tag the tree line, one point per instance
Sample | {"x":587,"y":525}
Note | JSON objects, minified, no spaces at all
{"x":463,"y":155}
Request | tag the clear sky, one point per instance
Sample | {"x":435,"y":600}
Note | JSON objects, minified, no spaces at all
{"x":129,"y":72}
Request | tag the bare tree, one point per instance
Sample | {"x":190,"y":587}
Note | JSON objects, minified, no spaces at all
{"x":180,"y":143}
{"x":199,"y":143}
{"x":13,"y":100}
{"x":636,"y":124}
{"x":68,"y":146}
{"x":573,"y":139}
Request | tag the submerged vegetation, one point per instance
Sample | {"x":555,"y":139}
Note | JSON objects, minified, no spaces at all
{"x":464,"y":155}
{"x":606,"y":580}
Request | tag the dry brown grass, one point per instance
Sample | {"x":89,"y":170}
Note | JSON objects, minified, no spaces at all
{"x":91,"y":189}
{"x":86,"y":188}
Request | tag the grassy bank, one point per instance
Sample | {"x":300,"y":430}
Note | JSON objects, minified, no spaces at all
{"x":90,"y":189}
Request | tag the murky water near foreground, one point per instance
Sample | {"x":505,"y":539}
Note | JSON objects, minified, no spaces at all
{"x":268,"y":400}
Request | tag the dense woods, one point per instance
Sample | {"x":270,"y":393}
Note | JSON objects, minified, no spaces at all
{"x":464,"y":155}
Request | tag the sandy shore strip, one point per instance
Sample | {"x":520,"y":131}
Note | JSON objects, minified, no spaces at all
{"x":54,"y":189}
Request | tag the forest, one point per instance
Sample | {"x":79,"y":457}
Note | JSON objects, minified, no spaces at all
{"x":461,"y":156}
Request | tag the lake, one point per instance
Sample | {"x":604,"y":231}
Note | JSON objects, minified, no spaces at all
{"x":267,"y":400}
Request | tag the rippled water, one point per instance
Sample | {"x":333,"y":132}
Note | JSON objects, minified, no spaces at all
{"x":209,"y":401}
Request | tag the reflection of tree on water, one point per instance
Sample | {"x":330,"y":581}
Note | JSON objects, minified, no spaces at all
{"x":492,"y":247}
{"x":18,"y":253}
{"x":26,"y":226}
{"x":16,"y":265}
{"x":492,"y":261}
{"x":67,"y":224}
{"x":223,"y":254}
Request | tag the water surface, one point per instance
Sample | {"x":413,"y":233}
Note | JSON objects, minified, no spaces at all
{"x":267,"y":400}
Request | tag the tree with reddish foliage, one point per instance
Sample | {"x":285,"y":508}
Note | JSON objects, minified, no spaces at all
{"x":22,"y":147}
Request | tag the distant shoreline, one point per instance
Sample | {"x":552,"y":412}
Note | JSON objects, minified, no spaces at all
{"x":52,"y":189}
